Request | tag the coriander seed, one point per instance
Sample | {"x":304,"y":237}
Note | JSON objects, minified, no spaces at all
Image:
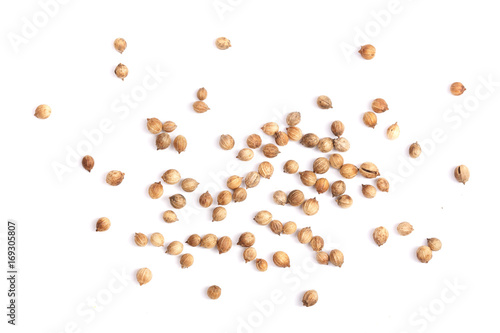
{"x":281,"y":259}
{"x":263,"y":217}
{"x":415,"y":150}
{"x":246,"y":154}
{"x":170,"y":217}
{"x":157,"y":239}
{"x":171,"y":177}
{"x":222,"y":43}
{"x":143,"y":276}
{"x":261,"y":265}
{"x":310,"y":298}
{"x":293,"y":118}
{"x":219,"y":214}
{"x":270,"y":128}
{"x":266,"y":169}
{"x":341,"y":144}
{"x":336,"y":161}
{"x":249,"y":254}
{"x":224,"y":198}
{"x":379,"y":105}
{"x":457,"y":88}
{"x":317,"y":243}
{"x":405,"y":228}
{"x":321,"y":165}
{"x":310,"y":140}
{"x":120,"y":44}
{"x":175,"y":248}
{"x":121,"y":71}
{"x":393,"y":131}
{"x":294,"y":133}
{"x":369,"y":170}
{"x":254,"y":141}
{"x":140,"y":239}
{"x":154,"y":125}
{"x":383,"y":185}
{"x":338,"y":188}
{"x":246,"y":239}
{"x":200,"y":107}
{"x":367,"y":51}
{"x":325,"y":145}
{"x":194,"y":240}
{"x":226,"y":142}
{"x":88,"y":163}
{"x":424,"y":254}
{"x":369,"y":191}
{"x":189,"y":184}
{"x":224,"y":244}
{"x":280,"y":198}
{"x":169,"y":126}
{"x":380,"y":235}
{"x":348,"y":171}
{"x":322,"y":185}
{"x":103,"y":224}
{"x":270,"y":150}
{"x":114,"y":177}
{"x":337,"y":128}
{"x":214,"y":292}
{"x":276,"y":227}
{"x":281,"y":138}
{"x":177,"y":201}
{"x":370,"y":119}
{"x":201,"y":94}
{"x":155,"y":190}
{"x":291,"y":167}
{"x":295,"y":198}
{"x":163,"y":141}
{"x":462,"y":174}
{"x":186,"y":260}
{"x":308,"y":178}
{"x":322,"y":258}
{"x":310,"y":206}
{"x":234,"y":182}
{"x":206,"y":200}
{"x":337,"y":258}
{"x":180,"y":143}
{"x":252,"y":179}
{"x":324,"y":102}
{"x":344,"y":201}
{"x":434,"y":244}
{"x":208,"y":241}
{"x":239,"y":195}
{"x":289,"y":228}
{"x":43,"y":111}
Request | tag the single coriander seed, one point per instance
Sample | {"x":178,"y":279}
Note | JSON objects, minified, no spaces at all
{"x":336,"y":161}
{"x":337,"y":258}
{"x":252,"y":179}
{"x":270,"y":128}
{"x":266,"y":169}
{"x":369,"y":191}
{"x":295,"y":198}
{"x":140,"y":239}
{"x":171,"y":176}
{"x":293,"y":118}
{"x":263,"y":217}
{"x":380,"y":235}
{"x":219,"y":214}
{"x":434,"y":244}
{"x":281,"y":259}
{"x":337,"y":128}
{"x":214,"y":292}
{"x":206,"y":200}
{"x":246,"y":239}
{"x":294,"y":133}
{"x":310,"y":140}
{"x":322,"y":258}
{"x":369,"y":170}
{"x":239,"y":194}
{"x":338,"y":188}
{"x":322,"y":185}
{"x":114,"y":177}
{"x":310,"y":298}
{"x":405,"y":228}
{"x":344,"y":201}
{"x":175,"y":248}
{"x":180,"y":143}
{"x":367,"y":51}
{"x":415,"y":150}
{"x":457,"y":88}
{"x":208,"y":241}
{"x":103,"y":224}
{"x":310,"y":206}
{"x":249,"y":254}
{"x":308,"y":178}
{"x":261,"y":265}
{"x":200,"y":107}
{"x":120,"y":44}
{"x":154,"y":125}
{"x":370,"y":119}
{"x":177,"y":201}
{"x":276,"y":227}
{"x":393,"y":131}
{"x":155,"y":190}
{"x":121,"y":71}
{"x":341,"y":144}
{"x":226,"y":142}
{"x":186,"y":260}
{"x":169,"y":126}
{"x":254,"y":141}
{"x":143,"y":276}
{"x":224,"y":244}
{"x":201,"y":94}
{"x":88,"y":163}
{"x":424,"y":254}
{"x":170,"y":217}
{"x":224,"y":198}
{"x":324,"y":102}
{"x":246,"y":154}
{"x":43,"y":111}
{"x":280,"y":198}
{"x":189,"y":184}
{"x":234,"y":182}
{"x":349,"y":171}
{"x":222,"y":43}
{"x":325,"y":145}
{"x":289,"y":228}
{"x":383,"y":184}
{"x":270,"y":150}
{"x":163,"y":141}
{"x":157,"y":239}
{"x":291,"y":167}
{"x":321,"y":165}
{"x":462,"y":174}
{"x":317,"y":243}
{"x":193,"y":240}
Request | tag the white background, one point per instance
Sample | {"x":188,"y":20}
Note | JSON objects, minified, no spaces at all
{"x":284,"y":54}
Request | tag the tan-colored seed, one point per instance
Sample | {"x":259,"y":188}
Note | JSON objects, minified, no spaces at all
{"x":163,"y":141}
{"x":234,"y":182}
{"x":289,"y":228}
{"x":222,"y":43}
{"x":226,"y":142}
{"x":254,"y":141}
{"x":120,"y":44}
{"x":293,"y":118}
{"x":224,"y":198}
{"x":143,"y":276}
{"x":308,"y":178}
{"x":337,"y":128}
{"x":305,"y":235}
{"x":140,"y":239}
{"x":294,"y":133}
{"x":219,"y":214}
{"x":239,"y":195}
{"x":379,"y":105}
{"x":338,"y":188}
{"x":276,"y":227}
{"x":348,"y":171}
{"x":252,"y":179}
{"x":121,"y":71}
{"x":180,"y":143}
{"x":170,"y":217}
{"x":322,"y":258}
{"x":337,"y":258}
{"x":266,"y":169}
{"x":206,"y":200}
{"x":114,"y":177}
{"x":296,"y":198}
{"x":224,"y":244}
{"x":281,"y":259}
{"x":154,"y":125}
{"x":202,"y":94}
{"x":43,"y":111}
{"x":194,"y":240}
{"x":336,"y":161}
{"x":291,"y":167}
{"x":186,"y":260}
{"x":270,"y":150}
{"x":380,"y":235}
{"x":246,"y":239}
{"x":261,"y":265}
{"x":208,"y":241}
{"x":249,"y":254}
{"x":169,"y":126}
{"x":246,"y":154}
{"x":367,"y":51}
{"x":405,"y":228}
{"x":103,"y":224}
{"x":324,"y":102}
{"x":370,"y":119}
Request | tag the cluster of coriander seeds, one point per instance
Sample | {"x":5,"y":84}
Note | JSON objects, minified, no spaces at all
{"x":200,"y":106}
{"x":121,"y":71}
{"x":162,"y":130}
{"x":424,"y":252}
{"x":336,"y":257}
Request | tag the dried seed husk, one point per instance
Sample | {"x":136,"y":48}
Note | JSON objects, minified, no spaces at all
{"x":338,"y":188}
{"x":281,"y":138}
{"x":200,"y":107}
{"x":434,"y":244}
{"x":194,"y":240}
{"x":310,"y":298}
{"x":321,"y":165}
{"x":324,"y":102}
{"x":457,"y":88}
{"x":246,"y":154}
{"x":254,"y":141}
{"x":293,"y":118}
{"x":224,"y":198}
{"x":405,"y":228}
{"x":171,"y":177}
{"x":281,"y":259}
{"x":246,"y":239}
{"x":208,"y":241}
{"x":310,"y":140}
{"x":270,"y":128}
{"x":337,"y":258}
{"x":322,"y":258}
{"x":206,"y":200}
{"x":369,"y":170}
{"x":295,"y":198}
{"x":155,"y":190}
{"x":186,"y":260}
{"x":157,"y":239}
{"x":308,"y":178}
{"x":310,"y":206}
{"x":337,"y":128}
{"x":114,"y":177}
{"x":383,"y":184}
{"x":291,"y":167}
{"x":120,"y":44}
{"x":88,"y":163}
{"x":266,"y":169}
{"x":305,"y":235}
{"x":239,"y":195}
{"x":226,"y":142}
{"x":234,"y":182}
{"x":249,"y":254}
{"x":169,"y":126}
{"x":261,"y":265}
{"x":336,"y":161}
{"x":276,"y":227}
{"x":280,"y":198}
{"x":214,"y":292}
{"x":393,"y":131}
{"x":424,"y":254}
{"x":222,"y":43}
{"x":252,"y":179}
{"x":341,"y":144}
{"x":263,"y":217}
{"x":322,"y":185}
{"x":344,"y":201}
{"x":379,"y":105}
{"x":154,"y":125}
{"x":369,"y":191}
{"x":325,"y":145}
{"x":367,"y":51}
{"x":380,"y":235}
{"x":415,"y":150}
{"x":121,"y":71}
{"x":163,"y":141}
{"x":317,"y":243}
{"x":175,"y":248}
{"x":202,"y":94}
{"x":189,"y":184}
{"x":289,"y":228}
{"x":348,"y":171}
{"x":224,"y":244}
{"x":294,"y":133}
{"x":270,"y":150}
{"x":370,"y":119}
{"x":43,"y":111}
{"x":177,"y":201}
{"x":140,"y":239}
{"x":143,"y":276}
{"x":180,"y":143}
{"x":462,"y":174}
{"x":102,"y":224}
{"x":219,"y":214}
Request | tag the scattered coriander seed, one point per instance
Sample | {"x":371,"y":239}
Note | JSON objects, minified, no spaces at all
{"x":415,"y":150}
{"x":200,"y":107}
{"x":226,"y":142}
{"x":202,"y":94}
{"x":305,"y":235}
{"x":239,"y":195}
{"x":405,"y":228}
{"x":291,"y":167}
{"x":280,"y":198}
{"x":348,"y":171}
{"x":369,"y":170}
{"x":194,"y":240}
{"x":177,"y":201}
{"x":370,"y":119}
{"x":121,"y":71}
{"x":336,"y":161}
{"x":208,"y":241}
{"x":310,"y":206}
{"x":224,"y":244}
{"x":246,"y":239}
{"x":180,"y":143}
{"x":341,"y":144}
{"x":289,"y":228}
{"x":281,"y":259}
{"x":143,"y":276}
{"x":379,"y":105}
{"x":102,"y":224}
{"x":344,"y":201}
{"x":246,"y":154}
{"x":322,"y":258}
{"x":234,"y":182}
{"x":155,"y":190}
{"x":163,"y":141}
{"x":261,"y":265}
{"x":457,"y":88}
{"x":140,"y":239}
{"x":254,"y":141}
{"x":321,"y":165}
{"x":252,"y":179}
{"x":157,"y":239}
{"x":380,"y":235}
{"x":434,"y":244}
{"x":310,"y":298}
{"x":154,"y":125}
{"x":324,"y":102}
{"x":120,"y":44}
{"x":308,"y":178}
{"x":369,"y":191}
{"x":175,"y":248}
{"x":294,"y":133}
{"x":337,"y":128}
{"x":322,"y":185}
{"x":222,"y":43}
{"x":263,"y":217}
{"x":281,"y":138}
{"x":338,"y":188}
{"x":249,"y":254}
{"x":169,"y":126}
{"x":310,"y":140}
{"x":206,"y":200}
{"x":367,"y":51}
{"x":337,"y":258}
{"x":424,"y":254}
{"x":270,"y":150}
{"x":114,"y":177}
{"x":171,"y":176}
{"x":88,"y":163}
{"x":276,"y":227}
{"x":317,"y":243}
{"x":187,"y":260}
{"x":325,"y":145}
{"x":393,"y":131}
{"x":224,"y":198}
{"x":214,"y":292}
{"x":219,"y":214}
{"x":189,"y":184}
{"x":270,"y":128}
{"x":43,"y":111}
{"x":293,"y":118}
{"x":295,"y":198}
{"x":266,"y":169}
{"x":462,"y":174}
{"x":382,"y":184}
{"x":170,"y":217}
